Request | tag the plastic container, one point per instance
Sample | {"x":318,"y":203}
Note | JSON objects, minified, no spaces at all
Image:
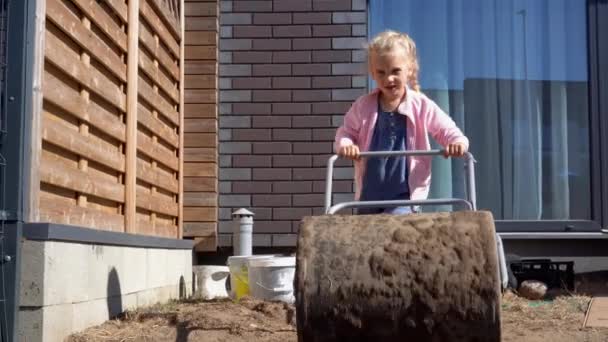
{"x":239,"y":275}
{"x":272,"y":279}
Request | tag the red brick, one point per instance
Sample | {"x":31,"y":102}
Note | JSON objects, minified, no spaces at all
{"x":290,"y":213}
{"x":249,"y":134}
{"x":271,"y":226}
{"x":340,"y":186}
{"x":252,"y":83}
{"x":311,"y":95}
{"x":251,"y":161}
{"x":271,"y":174}
{"x":331,"y":56}
{"x":311,"y":69}
{"x":292,"y":161}
{"x":331,"y":5}
{"x":309,"y":174}
{"x":347,"y":94}
{"x":291,"y":108}
{"x":292,"y":187}
{"x":311,"y":121}
{"x":348,"y":69}
{"x":271,"y":70}
{"x":272,"y":148}
{"x":292,"y":5}
{"x":272,"y":200}
{"x":251,"y":31}
{"x":235,"y":44}
{"x":320,"y":160}
{"x":352,"y":43}
{"x":251,"y":108}
{"x":271,"y":121}
{"x":271,"y":95}
{"x":331,"y":30}
{"x":273,"y":18}
{"x":312,"y":147}
{"x":311,"y":18}
{"x":252,"y":57}
{"x":311,"y":44}
{"x":330,"y":107}
{"x":308,"y":200}
{"x":291,"y":57}
{"x":349,"y":17}
{"x":292,"y":31}
{"x":291,"y":82}
{"x":323,"y":134}
{"x":331,"y":82}
{"x":251,"y":187}
{"x":251,"y":6}
{"x":270,"y":44}
{"x":291,"y":134}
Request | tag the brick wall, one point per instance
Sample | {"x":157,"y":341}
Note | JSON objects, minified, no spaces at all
{"x":289,"y":69}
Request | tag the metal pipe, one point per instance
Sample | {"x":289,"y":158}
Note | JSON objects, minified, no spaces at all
{"x":379,"y":204}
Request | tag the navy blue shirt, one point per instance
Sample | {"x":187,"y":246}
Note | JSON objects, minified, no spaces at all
{"x":386,"y":177}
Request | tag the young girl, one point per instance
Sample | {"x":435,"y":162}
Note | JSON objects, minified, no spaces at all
{"x":395,"y":116}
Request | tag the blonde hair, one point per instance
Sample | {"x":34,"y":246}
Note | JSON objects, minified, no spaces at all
{"x":386,"y":42}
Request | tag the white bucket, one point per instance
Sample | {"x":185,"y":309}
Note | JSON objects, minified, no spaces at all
{"x":239,"y":278}
{"x":272,"y":279}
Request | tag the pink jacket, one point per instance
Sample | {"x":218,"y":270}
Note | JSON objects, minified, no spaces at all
{"x":424,"y":117}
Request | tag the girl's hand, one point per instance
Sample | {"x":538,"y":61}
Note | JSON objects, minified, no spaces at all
{"x":454,"y":150}
{"x":350,"y":151}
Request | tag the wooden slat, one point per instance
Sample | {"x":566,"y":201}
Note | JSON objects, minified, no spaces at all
{"x":55,"y":171}
{"x":203,"y":9}
{"x":205,"y":184}
{"x":200,"y":82}
{"x":133,"y":88}
{"x":152,"y":18}
{"x":180,"y":197}
{"x":200,"y":67}
{"x":148,"y":67}
{"x":158,"y":102}
{"x":58,"y":93}
{"x":164,"y":58}
{"x":73,"y":27}
{"x":200,"y":214}
{"x":200,"y":199}
{"x":200,"y":229}
{"x":201,"y":38}
{"x":57,"y":134}
{"x":58,"y":54}
{"x":156,"y":203}
{"x":200,"y":96}
{"x":144,"y":145}
{"x":200,"y":154}
{"x":205,"y":244}
{"x":200,"y":140}
{"x":157,"y":178}
{"x":200,"y":170}
{"x":57,"y":209}
{"x":103,"y":20}
{"x":120,"y":8}
{"x":167,"y":18}
{"x":200,"y":126}
{"x":200,"y":110}
{"x":161,"y":130}
{"x":201,"y":24}
{"x":201,"y":52}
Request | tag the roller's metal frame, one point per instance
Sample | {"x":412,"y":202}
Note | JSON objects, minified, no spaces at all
{"x":470,"y":202}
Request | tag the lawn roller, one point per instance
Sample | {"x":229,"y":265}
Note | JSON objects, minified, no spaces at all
{"x":418,"y":277}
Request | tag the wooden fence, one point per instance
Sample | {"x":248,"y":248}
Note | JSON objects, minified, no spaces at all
{"x":111,"y":122}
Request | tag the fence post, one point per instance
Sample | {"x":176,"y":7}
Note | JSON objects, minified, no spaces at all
{"x":242,"y":232}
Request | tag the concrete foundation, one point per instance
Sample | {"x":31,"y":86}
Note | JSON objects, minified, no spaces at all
{"x":67,"y":287}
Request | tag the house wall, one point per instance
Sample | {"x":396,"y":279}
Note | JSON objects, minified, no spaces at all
{"x":111,"y":116}
{"x":200,"y":137}
{"x":289,"y":70}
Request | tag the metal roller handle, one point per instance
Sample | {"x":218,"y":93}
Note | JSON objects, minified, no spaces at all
{"x":469,"y":202}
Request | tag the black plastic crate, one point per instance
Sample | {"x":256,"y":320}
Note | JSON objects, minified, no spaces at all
{"x":556,"y":274}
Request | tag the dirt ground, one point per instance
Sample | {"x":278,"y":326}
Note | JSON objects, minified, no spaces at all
{"x":557,"y":320}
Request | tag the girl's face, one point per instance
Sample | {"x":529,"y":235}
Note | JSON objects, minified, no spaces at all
{"x":390,"y":73}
